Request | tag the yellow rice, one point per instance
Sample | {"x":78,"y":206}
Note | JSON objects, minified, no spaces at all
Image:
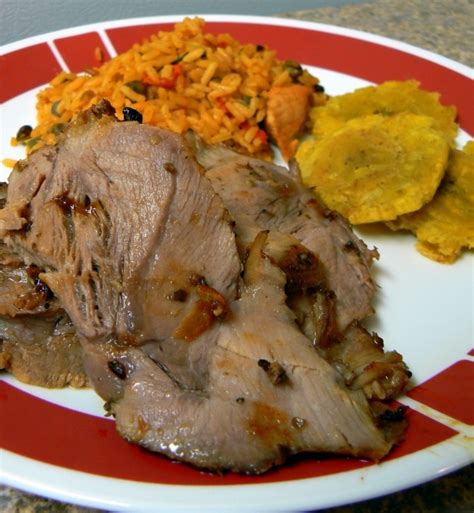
{"x":181,"y":80}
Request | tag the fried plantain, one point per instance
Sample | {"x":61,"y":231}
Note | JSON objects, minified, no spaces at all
{"x":445,"y":226}
{"x":376,"y":167}
{"x":387,"y":99}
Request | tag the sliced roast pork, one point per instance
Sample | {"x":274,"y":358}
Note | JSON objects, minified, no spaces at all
{"x":360,"y":357}
{"x":194,"y":349}
{"x":38,"y":344}
{"x":267,"y":393}
{"x":42,"y":351}
{"x":95,"y":212}
{"x":274,"y":200}
{"x":261,"y":195}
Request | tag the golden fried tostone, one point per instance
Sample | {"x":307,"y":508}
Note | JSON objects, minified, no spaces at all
{"x":386,"y":99}
{"x":376,"y":167}
{"x":446,"y":225}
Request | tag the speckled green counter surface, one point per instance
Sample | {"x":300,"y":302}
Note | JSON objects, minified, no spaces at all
{"x":445,"y":27}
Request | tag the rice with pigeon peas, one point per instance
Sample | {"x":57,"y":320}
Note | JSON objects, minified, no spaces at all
{"x":183,"y":79}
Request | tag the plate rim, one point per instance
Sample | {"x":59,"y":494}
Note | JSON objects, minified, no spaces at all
{"x":274,"y":499}
{"x":251,"y":19}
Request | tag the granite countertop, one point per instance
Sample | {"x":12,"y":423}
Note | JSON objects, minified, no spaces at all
{"x":445,"y":27}
{"x":442,"y":26}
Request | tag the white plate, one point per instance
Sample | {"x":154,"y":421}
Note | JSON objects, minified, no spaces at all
{"x":57,"y":443}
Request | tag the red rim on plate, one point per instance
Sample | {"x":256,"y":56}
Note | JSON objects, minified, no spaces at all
{"x":59,"y":436}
